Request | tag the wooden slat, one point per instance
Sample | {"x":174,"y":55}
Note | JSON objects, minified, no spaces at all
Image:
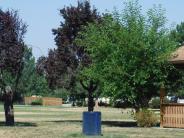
{"x":47,"y":101}
{"x":173,"y":115}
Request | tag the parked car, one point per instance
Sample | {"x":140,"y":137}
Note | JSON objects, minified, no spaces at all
{"x":180,"y":100}
{"x":173,"y":99}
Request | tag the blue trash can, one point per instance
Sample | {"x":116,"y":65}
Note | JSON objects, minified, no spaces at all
{"x":91,"y":123}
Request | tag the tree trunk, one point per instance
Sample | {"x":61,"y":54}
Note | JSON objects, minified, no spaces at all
{"x":8,"y":106}
{"x":9,"y":114}
{"x":91,"y":87}
{"x":90,"y":102}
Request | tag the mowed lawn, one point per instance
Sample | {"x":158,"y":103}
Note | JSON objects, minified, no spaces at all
{"x":66,"y":122}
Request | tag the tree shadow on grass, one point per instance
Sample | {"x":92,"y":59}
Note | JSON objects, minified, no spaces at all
{"x":108,"y":123}
{"x":19,"y":124}
{"x":120,"y":123}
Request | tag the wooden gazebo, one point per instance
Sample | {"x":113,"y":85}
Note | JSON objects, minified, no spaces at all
{"x":178,"y":57}
{"x":172,"y":114}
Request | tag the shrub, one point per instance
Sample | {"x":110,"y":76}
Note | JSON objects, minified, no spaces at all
{"x":121,"y":104}
{"x":79,"y":103}
{"x":100,"y":103}
{"x":37,"y":102}
{"x":146,"y":118}
{"x":155,"y":102}
{"x":61,"y":93}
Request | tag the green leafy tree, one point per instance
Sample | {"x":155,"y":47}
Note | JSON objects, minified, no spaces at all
{"x":32,"y":83}
{"x":177,"y":34}
{"x":129,"y":53}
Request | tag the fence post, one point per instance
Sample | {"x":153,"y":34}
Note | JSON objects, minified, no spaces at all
{"x":162,"y":95}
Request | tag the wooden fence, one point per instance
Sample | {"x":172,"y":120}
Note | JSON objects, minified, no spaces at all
{"x":52,"y":101}
{"x":46,"y":101}
{"x":28,"y":100}
{"x":172,"y":114}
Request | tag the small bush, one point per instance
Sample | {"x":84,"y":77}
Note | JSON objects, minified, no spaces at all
{"x":37,"y":102}
{"x":122,"y":104}
{"x":61,"y":93}
{"x":146,"y":118}
{"x":102,"y":104}
{"x":79,"y":103}
{"x":155,"y":102}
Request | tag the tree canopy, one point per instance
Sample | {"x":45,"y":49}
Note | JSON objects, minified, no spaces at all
{"x":130,"y":53}
{"x":68,"y":54}
{"x":32,"y":83}
{"x":177,"y":34}
{"x":12,"y":31}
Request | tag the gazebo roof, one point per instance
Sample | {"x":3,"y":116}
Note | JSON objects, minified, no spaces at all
{"x":178,"y":56}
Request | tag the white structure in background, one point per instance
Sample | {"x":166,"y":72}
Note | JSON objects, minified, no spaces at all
{"x":180,"y":100}
{"x":104,"y":100}
{"x":100,"y":100}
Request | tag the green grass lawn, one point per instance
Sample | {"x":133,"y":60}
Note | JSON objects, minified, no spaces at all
{"x":62,"y":122}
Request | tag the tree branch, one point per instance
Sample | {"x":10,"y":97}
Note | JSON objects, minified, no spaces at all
{"x":85,"y":87}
